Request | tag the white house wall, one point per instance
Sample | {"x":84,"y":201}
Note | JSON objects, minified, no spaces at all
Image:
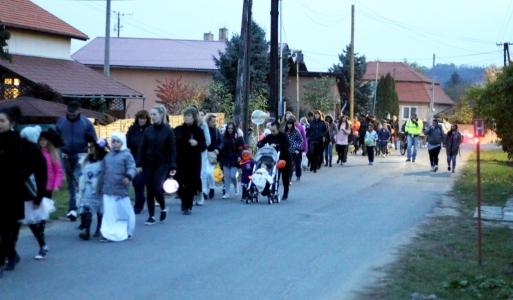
{"x":39,"y":44}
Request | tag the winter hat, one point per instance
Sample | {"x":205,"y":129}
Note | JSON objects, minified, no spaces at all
{"x":31,"y":133}
{"x":246,"y":154}
{"x":120,"y":136}
{"x":53,"y":137}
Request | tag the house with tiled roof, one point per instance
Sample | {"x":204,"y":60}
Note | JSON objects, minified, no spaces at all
{"x":140,"y":62}
{"x":40,"y":46}
{"x":413,"y":89}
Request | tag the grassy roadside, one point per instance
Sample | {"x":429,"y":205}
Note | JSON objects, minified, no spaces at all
{"x":442,"y":259}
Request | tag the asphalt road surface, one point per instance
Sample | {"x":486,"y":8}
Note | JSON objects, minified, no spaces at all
{"x":323,"y":243}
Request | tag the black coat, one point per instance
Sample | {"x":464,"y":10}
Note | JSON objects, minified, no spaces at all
{"x":134,"y":137}
{"x":19,"y":159}
{"x":282,"y":142}
{"x":158,"y":147}
{"x":189,"y":158}
{"x":231,"y":150}
{"x":318,"y":132}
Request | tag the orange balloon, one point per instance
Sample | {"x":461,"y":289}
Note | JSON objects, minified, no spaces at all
{"x":281,"y":164}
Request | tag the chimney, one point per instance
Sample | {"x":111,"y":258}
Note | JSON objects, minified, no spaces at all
{"x":208,"y":36}
{"x":223,"y":34}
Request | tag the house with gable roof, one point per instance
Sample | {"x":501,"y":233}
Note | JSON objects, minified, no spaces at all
{"x":40,"y":46}
{"x":140,"y":62}
{"x":413,"y":89}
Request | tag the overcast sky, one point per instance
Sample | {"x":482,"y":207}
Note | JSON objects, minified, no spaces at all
{"x":459,"y":32}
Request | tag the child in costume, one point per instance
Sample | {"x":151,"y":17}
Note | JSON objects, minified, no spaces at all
{"x":247,"y":164}
{"x":119,"y":170}
{"x":89,"y":198}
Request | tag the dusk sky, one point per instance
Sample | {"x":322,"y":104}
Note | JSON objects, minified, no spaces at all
{"x":459,"y":32}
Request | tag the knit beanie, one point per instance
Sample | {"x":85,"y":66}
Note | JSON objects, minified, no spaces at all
{"x":31,"y":133}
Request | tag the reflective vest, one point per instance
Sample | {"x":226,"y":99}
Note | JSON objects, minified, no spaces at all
{"x":413,"y":129}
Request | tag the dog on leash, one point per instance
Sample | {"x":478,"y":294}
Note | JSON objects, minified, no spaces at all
{"x":304,"y":162}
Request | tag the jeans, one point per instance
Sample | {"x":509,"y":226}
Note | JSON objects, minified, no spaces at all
{"x":328,"y":153}
{"x":296,"y":158}
{"x":154,"y":178}
{"x":229,"y":177}
{"x":412,"y":141}
{"x":72,"y":172}
{"x":451,"y":158}
{"x":138,"y":182}
{"x":433,"y":156}
{"x":384,"y":149}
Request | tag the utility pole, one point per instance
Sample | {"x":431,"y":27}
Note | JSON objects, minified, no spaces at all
{"x":432,"y":104}
{"x":506,"y":52}
{"x":118,"y":26}
{"x":280,"y":57}
{"x":351,"y":84}
{"x":299,"y":60}
{"x":106,"y":62}
{"x":247,"y":67}
{"x":241,"y":65}
{"x":273,"y":71}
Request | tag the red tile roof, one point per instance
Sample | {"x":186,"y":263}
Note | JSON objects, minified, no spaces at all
{"x":411,"y":86}
{"x":68,"y":77}
{"x":24,"y":14}
{"x":149,"y":53}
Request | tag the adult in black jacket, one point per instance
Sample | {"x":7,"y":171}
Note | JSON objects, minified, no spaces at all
{"x":280,"y":141}
{"x":133,"y":139}
{"x":157,"y":159}
{"x":215,"y":142}
{"x":317,"y":133}
{"x":190,"y":142}
{"x":364,"y":125}
{"x":19,"y":159}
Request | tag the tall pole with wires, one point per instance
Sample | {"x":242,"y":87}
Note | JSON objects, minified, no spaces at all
{"x":273,"y":71}
{"x":351,"y":84}
{"x":432,"y":104}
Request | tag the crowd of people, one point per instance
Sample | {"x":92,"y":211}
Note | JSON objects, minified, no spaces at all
{"x":100,"y":172}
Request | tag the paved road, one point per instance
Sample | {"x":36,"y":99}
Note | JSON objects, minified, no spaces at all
{"x":322,"y":243}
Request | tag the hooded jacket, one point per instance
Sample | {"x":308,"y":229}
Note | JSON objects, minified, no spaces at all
{"x":118,"y":165}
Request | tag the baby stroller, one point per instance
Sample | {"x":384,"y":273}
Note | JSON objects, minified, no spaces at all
{"x":264,"y":178}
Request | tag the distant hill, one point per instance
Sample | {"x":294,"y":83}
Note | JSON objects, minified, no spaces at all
{"x":443,"y":72}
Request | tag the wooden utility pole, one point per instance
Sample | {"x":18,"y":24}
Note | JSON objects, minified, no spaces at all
{"x":247,"y":67}
{"x":351,"y":84}
{"x":273,"y":70}
{"x":241,"y":65}
{"x":506,"y":52}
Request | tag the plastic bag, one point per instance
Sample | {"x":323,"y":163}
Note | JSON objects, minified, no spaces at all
{"x":34,"y":216}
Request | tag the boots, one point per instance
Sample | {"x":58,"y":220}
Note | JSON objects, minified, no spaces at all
{"x":86,"y":219}
{"x":99,"y":217}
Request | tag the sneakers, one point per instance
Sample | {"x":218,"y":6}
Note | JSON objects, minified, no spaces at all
{"x":41,"y":255}
{"x":201,"y":199}
{"x":137,"y":210}
{"x":448,"y":168}
{"x":435,"y":169}
{"x":432,"y":168}
{"x":72,"y":215}
{"x":187,"y":211}
{"x":413,"y":160}
{"x":211,"y":194}
{"x":84,"y":235}
{"x":150,"y":221}
{"x":383,"y":155}
{"x":285,"y":196}
{"x":407,"y":160}
{"x":298,"y":178}
{"x":224,"y":191}
{"x":163,"y":215}
{"x":453,"y":171}
{"x":226,"y":196}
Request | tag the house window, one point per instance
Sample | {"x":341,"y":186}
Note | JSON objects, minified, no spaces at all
{"x":407,"y":111}
{"x":11,"y":88}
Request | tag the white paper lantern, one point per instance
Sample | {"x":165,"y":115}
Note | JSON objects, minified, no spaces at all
{"x":170,"y":186}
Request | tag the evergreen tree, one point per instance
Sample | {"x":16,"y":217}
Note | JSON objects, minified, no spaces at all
{"x":455,"y":87}
{"x":4,"y":36}
{"x":362,"y":91}
{"x":387,"y":101}
{"x":319,"y":94}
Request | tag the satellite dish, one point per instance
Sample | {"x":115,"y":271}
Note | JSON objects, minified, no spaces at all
{"x":258,"y":117}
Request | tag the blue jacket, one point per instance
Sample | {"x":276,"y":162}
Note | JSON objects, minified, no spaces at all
{"x":73,"y":133}
{"x":383,"y":136}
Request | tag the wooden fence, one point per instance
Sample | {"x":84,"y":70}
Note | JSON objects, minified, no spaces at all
{"x":123,"y":125}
